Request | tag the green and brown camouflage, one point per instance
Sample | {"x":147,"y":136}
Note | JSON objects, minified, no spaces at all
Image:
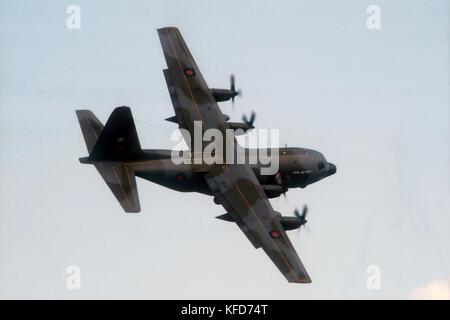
{"x":238,"y":186}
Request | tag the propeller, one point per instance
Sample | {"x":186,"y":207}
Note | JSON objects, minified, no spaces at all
{"x":302,"y":217}
{"x":249,"y":121}
{"x":233,"y":89}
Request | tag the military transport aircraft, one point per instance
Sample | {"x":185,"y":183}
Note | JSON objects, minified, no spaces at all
{"x":115,"y":151}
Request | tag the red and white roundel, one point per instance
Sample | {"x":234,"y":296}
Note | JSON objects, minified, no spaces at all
{"x":274,"y":234}
{"x":190,"y":72}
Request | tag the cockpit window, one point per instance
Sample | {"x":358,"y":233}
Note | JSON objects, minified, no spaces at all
{"x":321,"y":166}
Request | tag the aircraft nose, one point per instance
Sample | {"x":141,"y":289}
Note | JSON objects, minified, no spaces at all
{"x":331,"y":169}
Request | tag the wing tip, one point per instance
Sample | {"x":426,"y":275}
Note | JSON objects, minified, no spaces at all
{"x":301,"y":280}
{"x":81,"y":112}
{"x":300,"y":276}
{"x":128,"y":208}
{"x":133,"y":210}
{"x":160,"y":30}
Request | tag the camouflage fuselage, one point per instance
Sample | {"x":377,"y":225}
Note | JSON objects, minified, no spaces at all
{"x":298,"y":167}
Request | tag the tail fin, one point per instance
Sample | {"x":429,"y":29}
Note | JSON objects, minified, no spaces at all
{"x":110,"y":148}
{"x":118,"y":141}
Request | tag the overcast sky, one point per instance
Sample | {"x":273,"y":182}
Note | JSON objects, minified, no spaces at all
{"x":374,"y":102}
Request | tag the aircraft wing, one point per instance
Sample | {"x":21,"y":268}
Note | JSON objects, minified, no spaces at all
{"x":191,"y":97}
{"x":240,"y":192}
{"x":245,"y":201}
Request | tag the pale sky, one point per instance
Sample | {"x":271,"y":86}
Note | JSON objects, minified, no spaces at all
{"x":375,"y":103}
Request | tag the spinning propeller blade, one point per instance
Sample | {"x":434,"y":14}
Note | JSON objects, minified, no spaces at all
{"x":251,"y":120}
{"x":233,"y":89}
{"x":302,"y":217}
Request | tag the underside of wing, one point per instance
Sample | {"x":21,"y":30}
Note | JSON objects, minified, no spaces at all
{"x":243,"y":198}
{"x":190,"y":95}
{"x":235,"y":185}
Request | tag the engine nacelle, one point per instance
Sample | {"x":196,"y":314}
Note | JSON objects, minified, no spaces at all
{"x":273,"y":191}
{"x":240,"y":125}
{"x":290,"y":223}
{"x":223,"y":94}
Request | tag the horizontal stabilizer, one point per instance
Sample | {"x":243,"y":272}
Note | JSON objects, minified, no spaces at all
{"x":109,"y":147}
{"x":122,"y":183}
{"x":91,"y":127}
